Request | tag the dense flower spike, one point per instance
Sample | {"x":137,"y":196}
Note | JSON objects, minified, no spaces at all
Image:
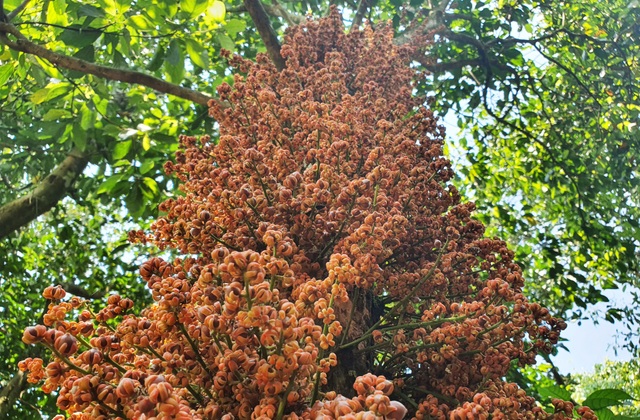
{"x":329,"y":270}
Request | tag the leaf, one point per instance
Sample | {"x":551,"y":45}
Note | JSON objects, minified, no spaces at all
{"x":39,"y":96}
{"x":604,"y":414}
{"x":79,"y":137}
{"x":133,"y":200}
{"x":226,"y":42}
{"x":87,"y":53}
{"x":157,"y":59}
{"x":234,"y":26}
{"x":140,"y":22}
{"x":603,"y":398}
{"x":146,"y":166}
{"x":217,"y":11}
{"x":79,"y":37}
{"x":6,"y":71}
{"x":57,"y":90}
{"x":197,"y":53}
{"x":88,"y":10}
{"x":174,"y":63}
{"x":149,"y":188}
{"x":188,"y":6}
{"x":109,"y":184}
{"x":86,"y":117}
{"x":56,"y":114}
{"x":121,"y":149}
{"x":146,"y":142}
{"x":555,"y":391}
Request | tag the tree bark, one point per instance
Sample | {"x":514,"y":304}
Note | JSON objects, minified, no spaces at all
{"x":47,"y":194}
{"x":268,"y":35}
{"x":11,"y":392}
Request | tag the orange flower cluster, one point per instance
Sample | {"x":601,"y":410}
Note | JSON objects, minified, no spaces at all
{"x":328,"y":271}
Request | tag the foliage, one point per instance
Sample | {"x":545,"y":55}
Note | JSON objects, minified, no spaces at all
{"x":73,"y":253}
{"x":552,"y":158}
{"x":326,"y":183}
{"x":613,"y":375}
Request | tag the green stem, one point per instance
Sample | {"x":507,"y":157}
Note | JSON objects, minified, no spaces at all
{"x":283,"y":401}
{"x":194,"y":347}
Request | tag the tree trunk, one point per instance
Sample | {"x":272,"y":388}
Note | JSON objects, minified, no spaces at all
{"x":47,"y":194}
{"x":11,"y":392}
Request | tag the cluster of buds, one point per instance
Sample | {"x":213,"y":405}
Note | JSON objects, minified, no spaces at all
{"x":324,"y":252}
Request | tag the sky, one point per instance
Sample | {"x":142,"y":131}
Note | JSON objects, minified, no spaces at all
{"x":590,"y":344}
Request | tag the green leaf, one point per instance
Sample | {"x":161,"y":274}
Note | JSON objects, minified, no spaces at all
{"x":233,"y":26}
{"x":79,"y":137}
{"x":226,"y":42}
{"x":603,"y":398}
{"x":121,"y":149}
{"x":6,"y":70}
{"x":79,"y":37}
{"x":605,"y":414}
{"x":555,"y":391}
{"x":56,"y":114}
{"x":57,"y":90}
{"x":197,"y":53}
{"x":157,"y":59}
{"x":217,"y":11}
{"x":188,"y":6}
{"x":87,"y":54}
{"x":109,"y":184}
{"x":149,"y":188}
{"x":146,"y":166}
{"x":88,"y":10}
{"x":140,"y":22}
{"x":86,"y":117}
{"x":146,"y":142}
{"x":133,"y":200}
{"x":174,"y":63}
{"x":39,"y":96}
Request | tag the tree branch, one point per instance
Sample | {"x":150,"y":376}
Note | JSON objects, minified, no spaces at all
{"x":275,"y":10}
{"x":449,"y":66}
{"x":268,"y":35}
{"x":82,"y":292}
{"x":47,"y":194}
{"x":22,"y":44}
{"x":17,"y":10}
{"x":11,"y":392}
{"x":363,"y":5}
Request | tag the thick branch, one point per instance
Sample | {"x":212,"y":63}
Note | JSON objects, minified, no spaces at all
{"x":47,"y":194}
{"x":275,"y":10}
{"x":71,"y":63}
{"x":434,"y":20}
{"x":82,"y":292}
{"x":448,"y":66}
{"x":268,"y":35}
{"x":11,"y":392}
{"x":362,"y":8}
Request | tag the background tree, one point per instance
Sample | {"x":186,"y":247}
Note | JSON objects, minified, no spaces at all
{"x":614,"y":375}
{"x":96,"y":127}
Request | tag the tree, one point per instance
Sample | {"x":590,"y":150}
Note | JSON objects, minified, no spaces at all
{"x":614,"y":375}
{"x":322,"y":252}
{"x":102,"y":107}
